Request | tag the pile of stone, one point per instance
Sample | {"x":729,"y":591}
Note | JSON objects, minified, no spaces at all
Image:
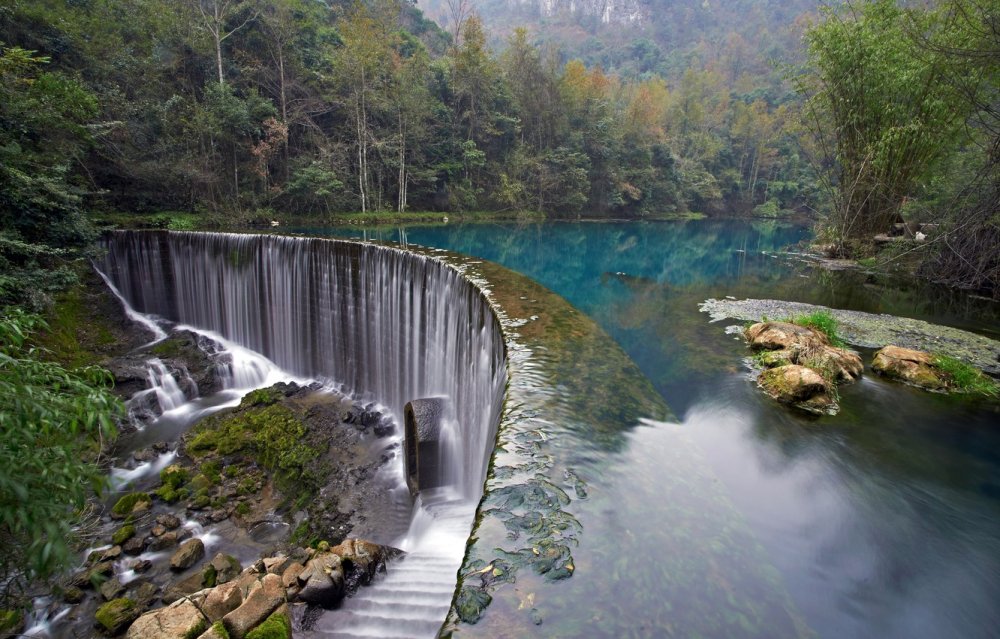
{"x":801,"y":367}
{"x":223,"y":600}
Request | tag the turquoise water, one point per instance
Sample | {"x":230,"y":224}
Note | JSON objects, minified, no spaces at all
{"x":883,"y":521}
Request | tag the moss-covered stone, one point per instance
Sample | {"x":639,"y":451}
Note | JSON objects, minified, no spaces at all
{"x":219,"y":629}
{"x":116,"y":615}
{"x":123,"y":534}
{"x":276,"y":626}
{"x":174,"y":476}
{"x":130,"y":503}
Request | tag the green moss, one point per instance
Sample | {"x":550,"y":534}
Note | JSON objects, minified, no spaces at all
{"x":276,"y":626}
{"x":247,"y":486}
{"x":212,"y":470}
{"x":220,"y":630}
{"x":174,"y":476}
{"x":965,"y":378}
{"x":127,"y":503}
{"x":10,"y":620}
{"x":232,"y":471}
{"x":123,"y":534}
{"x":209,"y":577}
{"x":116,"y":614}
{"x":196,"y":630}
{"x":260,"y":397}
{"x":823,"y":322}
{"x":242,"y":508}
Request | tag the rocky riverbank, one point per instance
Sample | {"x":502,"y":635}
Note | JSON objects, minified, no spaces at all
{"x":295,"y":475}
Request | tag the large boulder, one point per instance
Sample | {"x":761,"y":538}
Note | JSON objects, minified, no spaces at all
{"x":190,"y":552}
{"x":783,"y":343}
{"x":222,"y":600}
{"x":361,"y":560}
{"x":321,"y":583}
{"x":116,"y":615}
{"x":180,"y":620}
{"x":256,"y":608}
{"x":910,"y":366}
{"x":799,"y":386}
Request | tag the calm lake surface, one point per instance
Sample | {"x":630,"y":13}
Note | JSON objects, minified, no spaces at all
{"x":883,"y":521}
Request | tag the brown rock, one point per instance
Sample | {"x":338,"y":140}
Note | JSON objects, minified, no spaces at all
{"x":222,"y":600}
{"x":183,"y":588}
{"x":226,"y":567}
{"x":276,"y":565}
{"x":322,"y":581}
{"x":190,"y":551}
{"x":134,"y":546}
{"x":158,"y":530}
{"x":168,"y":521}
{"x":168,"y":540}
{"x":776,"y":336}
{"x":799,"y":386}
{"x":910,"y":366}
{"x":112,"y":589}
{"x":179,"y":620}
{"x":256,"y":608}
{"x":290,"y":576}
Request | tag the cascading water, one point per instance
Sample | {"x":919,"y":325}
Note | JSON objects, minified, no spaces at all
{"x":386,"y":324}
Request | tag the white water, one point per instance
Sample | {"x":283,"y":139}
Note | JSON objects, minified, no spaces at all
{"x":387,"y":326}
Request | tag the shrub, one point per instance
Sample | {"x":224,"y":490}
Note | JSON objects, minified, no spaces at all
{"x":53,"y":419}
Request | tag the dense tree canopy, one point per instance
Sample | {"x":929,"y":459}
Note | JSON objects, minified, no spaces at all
{"x":237,"y":108}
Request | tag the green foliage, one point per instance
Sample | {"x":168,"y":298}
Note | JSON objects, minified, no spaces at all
{"x":888,"y":105}
{"x":52,"y":420}
{"x":823,"y":322}
{"x":277,"y":626}
{"x":220,"y":630}
{"x":965,"y":378}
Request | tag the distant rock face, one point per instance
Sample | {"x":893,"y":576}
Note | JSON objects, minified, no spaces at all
{"x":910,"y":366}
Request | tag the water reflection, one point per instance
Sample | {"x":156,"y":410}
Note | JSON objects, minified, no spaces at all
{"x":883,"y":521}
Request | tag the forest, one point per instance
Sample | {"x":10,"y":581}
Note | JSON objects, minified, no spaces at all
{"x":228,"y":113}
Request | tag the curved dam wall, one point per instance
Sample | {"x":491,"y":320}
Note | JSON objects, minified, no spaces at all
{"x":387,"y":324}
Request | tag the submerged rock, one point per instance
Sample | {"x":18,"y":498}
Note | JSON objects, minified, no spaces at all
{"x":910,"y":366}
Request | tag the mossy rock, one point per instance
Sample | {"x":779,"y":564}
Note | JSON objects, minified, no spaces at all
{"x":174,"y":476}
{"x":470,"y":604}
{"x":276,"y":626}
{"x":218,"y":629}
{"x":116,"y":615}
{"x":261,"y":397}
{"x":131,"y":503}
{"x":172,"y":495}
{"x":123,"y":534}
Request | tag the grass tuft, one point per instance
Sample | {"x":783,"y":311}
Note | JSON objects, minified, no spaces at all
{"x":823,"y":322}
{"x":966,"y":378}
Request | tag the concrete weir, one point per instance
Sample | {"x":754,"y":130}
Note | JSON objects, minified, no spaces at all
{"x":538,"y":400}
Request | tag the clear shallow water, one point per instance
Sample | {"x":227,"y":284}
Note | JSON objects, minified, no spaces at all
{"x":883,"y":521}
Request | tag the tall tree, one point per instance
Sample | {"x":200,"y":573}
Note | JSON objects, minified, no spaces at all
{"x":890,"y":113}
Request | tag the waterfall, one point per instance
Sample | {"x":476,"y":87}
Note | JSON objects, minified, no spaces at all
{"x":384,"y":323}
